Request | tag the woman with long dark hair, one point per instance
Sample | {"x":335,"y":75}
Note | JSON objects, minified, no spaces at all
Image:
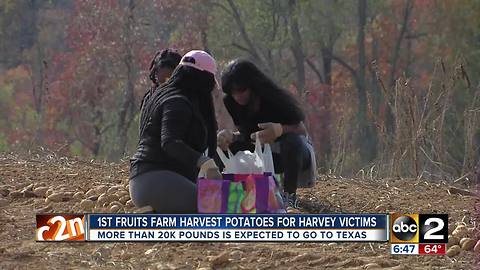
{"x":177,"y":125}
{"x":259,"y":107}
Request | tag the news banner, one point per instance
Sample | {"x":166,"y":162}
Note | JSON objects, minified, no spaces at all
{"x":407,"y":233}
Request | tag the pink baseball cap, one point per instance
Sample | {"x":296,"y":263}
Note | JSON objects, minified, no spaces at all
{"x":200,"y":60}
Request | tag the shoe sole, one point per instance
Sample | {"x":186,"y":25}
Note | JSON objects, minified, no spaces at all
{"x":145,"y":210}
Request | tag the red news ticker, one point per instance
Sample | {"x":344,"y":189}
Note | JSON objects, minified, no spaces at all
{"x":60,"y":227}
{"x":432,"y":249}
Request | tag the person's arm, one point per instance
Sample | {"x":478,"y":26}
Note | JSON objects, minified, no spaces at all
{"x":297,"y":129}
{"x":241,"y":138}
{"x":270,"y":131}
{"x":292,"y":118}
{"x":176,"y":116}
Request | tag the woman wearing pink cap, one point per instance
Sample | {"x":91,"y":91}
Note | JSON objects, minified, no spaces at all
{"x":177,"y":125}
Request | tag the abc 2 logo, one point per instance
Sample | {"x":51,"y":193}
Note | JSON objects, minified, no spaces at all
{"x":418,"y":228}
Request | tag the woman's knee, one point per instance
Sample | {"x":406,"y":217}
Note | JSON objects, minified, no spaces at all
{"x":165,"y":191}
{"x":290,"y":143}
{"x":147,"y":188}
{"x":136,"y":192}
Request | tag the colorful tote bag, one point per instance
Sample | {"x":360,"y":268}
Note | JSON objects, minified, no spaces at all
{"x":240,"y":193}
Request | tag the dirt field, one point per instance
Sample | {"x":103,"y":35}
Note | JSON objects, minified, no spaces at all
{"x":20,"y":200}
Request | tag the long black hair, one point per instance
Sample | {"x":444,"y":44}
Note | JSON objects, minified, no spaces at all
{"x":242,"y":74}
{"x":197,"y":87}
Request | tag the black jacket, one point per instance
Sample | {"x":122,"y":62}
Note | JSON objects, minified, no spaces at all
{"x":247,"y":121}
{"x":173,"y":137}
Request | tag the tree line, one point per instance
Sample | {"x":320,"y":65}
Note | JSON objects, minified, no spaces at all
{"x":390,"y":88}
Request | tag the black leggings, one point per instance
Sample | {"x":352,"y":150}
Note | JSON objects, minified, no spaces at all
{"x":167,"y":192}
{"x":293,"y":158}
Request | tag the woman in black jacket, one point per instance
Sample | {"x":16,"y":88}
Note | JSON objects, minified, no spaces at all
{"x":177,"y":125}
{"x":260,"y":108}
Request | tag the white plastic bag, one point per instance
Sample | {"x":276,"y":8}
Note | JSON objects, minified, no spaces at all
{"x":246,"y":162}
{"x":265,"y":156}
{"x":243,"y":162}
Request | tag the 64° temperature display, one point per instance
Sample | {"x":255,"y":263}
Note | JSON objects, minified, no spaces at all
{"x":432,"y":249}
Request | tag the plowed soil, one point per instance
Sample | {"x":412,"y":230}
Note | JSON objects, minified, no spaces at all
{"x":21,"y":199}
